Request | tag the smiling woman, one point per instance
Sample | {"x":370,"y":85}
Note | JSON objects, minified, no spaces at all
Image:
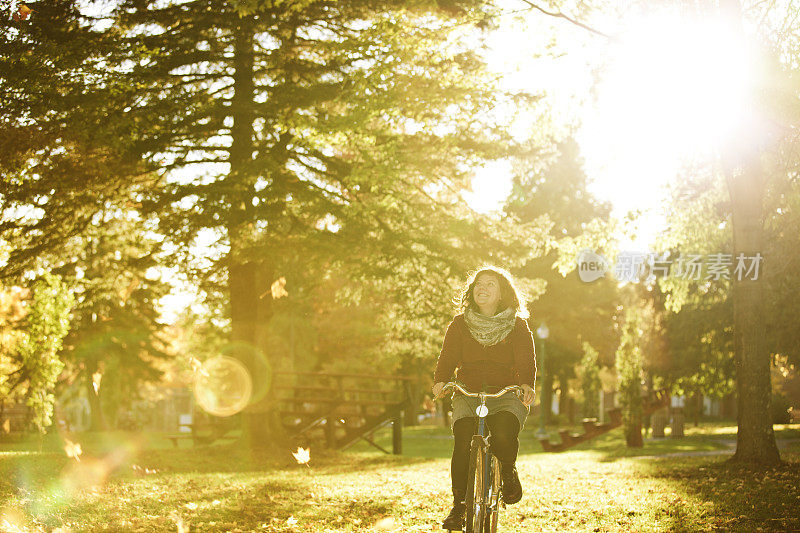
{"x":489,"y":346}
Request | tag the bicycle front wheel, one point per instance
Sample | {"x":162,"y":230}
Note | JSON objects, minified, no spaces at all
{"x":493,"y":505}
{"x":474,"y":500}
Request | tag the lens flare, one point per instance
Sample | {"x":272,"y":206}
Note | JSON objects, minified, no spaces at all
{"x":223,"y":386}
{"x":256,"y":363}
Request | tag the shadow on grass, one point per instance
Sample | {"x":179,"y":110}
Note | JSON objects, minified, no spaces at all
{"x":37,"y":469}
{"x":224,"y":503}
{"x":696,"y":441}
{"x":212,"y":488}
{"x":711,"y":440}
{"x":738,"y":497}
{"x":237,"y":458}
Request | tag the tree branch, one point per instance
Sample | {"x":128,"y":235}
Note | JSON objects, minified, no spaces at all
{"x":559,"y":14}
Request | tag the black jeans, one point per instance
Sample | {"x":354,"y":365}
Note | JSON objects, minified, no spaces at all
{"x":503,"y":430}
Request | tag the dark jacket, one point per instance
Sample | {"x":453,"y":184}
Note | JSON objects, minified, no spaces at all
{"x":511,"y":361}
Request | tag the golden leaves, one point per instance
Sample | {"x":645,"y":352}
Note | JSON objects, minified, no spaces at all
{"x":138,"y":470}
{"x":23,"y":12}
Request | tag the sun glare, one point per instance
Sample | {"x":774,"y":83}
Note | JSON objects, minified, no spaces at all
{"x":491,"y":185}
{"x":674,"y":89}
{"x":678,"y":85}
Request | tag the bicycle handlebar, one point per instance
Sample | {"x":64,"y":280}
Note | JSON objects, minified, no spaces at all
{"x":455,"y":385}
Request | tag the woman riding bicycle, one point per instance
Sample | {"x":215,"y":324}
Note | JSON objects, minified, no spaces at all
{"x":491,"y":345}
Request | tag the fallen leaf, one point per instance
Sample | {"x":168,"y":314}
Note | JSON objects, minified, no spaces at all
{"x":385,"y":524}
{"x":278,"y":288}
{"x":125,"y":293}
{"x":198,"y":367}
{"x":72,"y":449}
{"x":96,"y":378}
{"x":302,"y":456}
{"x":179,"y":523}
{"x":23,"y":12}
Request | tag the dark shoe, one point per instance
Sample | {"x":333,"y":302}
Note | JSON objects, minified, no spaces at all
{"x":455,"y":520}
{"x":511,"y":489}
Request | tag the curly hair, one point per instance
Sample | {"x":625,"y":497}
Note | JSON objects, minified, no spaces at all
{"x":510,"y":295}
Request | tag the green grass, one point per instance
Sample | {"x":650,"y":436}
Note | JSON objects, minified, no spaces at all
{"x":140,"y":483}
{"x":436,"y":441}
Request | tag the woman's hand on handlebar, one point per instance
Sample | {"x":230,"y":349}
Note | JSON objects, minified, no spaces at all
{"x":528,"y":394}
{"x":437,"y":389}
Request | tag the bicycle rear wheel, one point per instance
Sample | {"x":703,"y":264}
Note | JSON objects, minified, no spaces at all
{"x":476,"y":506}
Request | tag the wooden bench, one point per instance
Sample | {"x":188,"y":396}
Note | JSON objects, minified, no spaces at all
{"x":14,"y":422}
{"x":175,"y":438}
{"x":592,"y":429}
{"x":336,"y":403}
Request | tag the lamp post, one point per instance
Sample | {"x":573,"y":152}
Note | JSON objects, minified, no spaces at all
{"x":542,"y":332}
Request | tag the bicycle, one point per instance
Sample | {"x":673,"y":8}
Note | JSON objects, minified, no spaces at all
{"x":483,"y":481}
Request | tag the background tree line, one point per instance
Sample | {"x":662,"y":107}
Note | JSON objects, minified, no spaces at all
{"x":328,"y":143}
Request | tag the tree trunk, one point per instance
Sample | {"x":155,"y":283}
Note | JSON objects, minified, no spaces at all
{"x":249,"y":286}
{"x":408,"y":367}
{"x":698,"y":407}
{"x":97,"y":420}
{"x":565,"y":400}
{"x":755,"y":440}
{"x":410,"y":413}
{"x":249,"y":280}
{"x":547,"y":397}
{"x":633,"y":435}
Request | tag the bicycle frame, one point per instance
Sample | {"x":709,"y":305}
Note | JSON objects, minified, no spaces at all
{"x":482,"y":508}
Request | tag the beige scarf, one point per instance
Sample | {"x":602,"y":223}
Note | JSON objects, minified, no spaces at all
{"x":489,"y":330}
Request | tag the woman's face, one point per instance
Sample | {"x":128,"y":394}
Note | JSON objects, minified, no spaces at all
{"x":487,"y":291}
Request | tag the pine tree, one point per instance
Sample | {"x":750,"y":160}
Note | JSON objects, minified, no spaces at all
{"x":59,"y":163}
{"x":116,"y":340}
{"x":342,"y":131}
